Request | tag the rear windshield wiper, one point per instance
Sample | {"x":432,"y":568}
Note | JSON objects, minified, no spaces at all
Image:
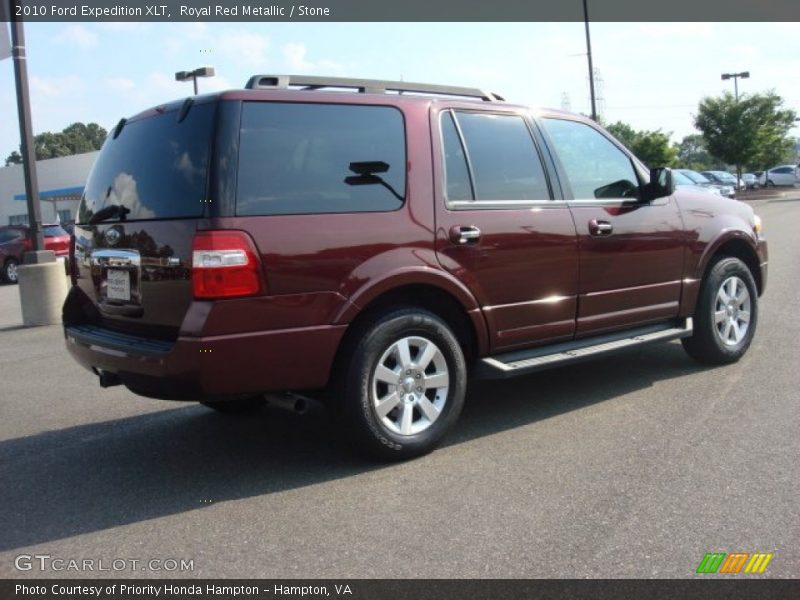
{"x":109,"y":212}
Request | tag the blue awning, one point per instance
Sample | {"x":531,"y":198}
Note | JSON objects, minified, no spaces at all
{"x":47,"y":194}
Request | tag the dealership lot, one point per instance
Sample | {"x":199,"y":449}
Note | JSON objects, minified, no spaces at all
{"x":632,"y":466}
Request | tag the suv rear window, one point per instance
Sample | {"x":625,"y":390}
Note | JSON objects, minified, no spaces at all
{"x":156,"y":167}
{"x":320,"y":158}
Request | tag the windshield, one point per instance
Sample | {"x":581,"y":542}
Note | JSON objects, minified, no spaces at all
{"x":680,"y":179}
{"x":694,"y":176}
{"x":156,"y":168}
{"x":725,"y":176}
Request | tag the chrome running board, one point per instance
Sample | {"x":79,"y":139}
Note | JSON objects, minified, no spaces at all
{"x":518,"y":362}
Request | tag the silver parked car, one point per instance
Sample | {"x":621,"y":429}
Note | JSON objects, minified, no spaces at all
{"x":724,"y":190}
{"x":782,"y":175}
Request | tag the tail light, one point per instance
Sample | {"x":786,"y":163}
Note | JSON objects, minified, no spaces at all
{"x":225,"y":264}
{"x":73,"y":266}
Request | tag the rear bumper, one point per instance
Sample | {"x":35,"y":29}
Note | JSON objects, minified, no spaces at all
{"x":218,"y":366}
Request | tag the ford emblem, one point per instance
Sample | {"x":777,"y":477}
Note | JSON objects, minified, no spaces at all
{"x":113,"y":236}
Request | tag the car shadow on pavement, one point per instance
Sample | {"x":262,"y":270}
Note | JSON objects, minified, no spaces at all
{"x":73,"y":481}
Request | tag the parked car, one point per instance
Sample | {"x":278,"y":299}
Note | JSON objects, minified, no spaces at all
{"x":683,"y":181}
{"x":15,"y":241}
{"x":782,"y":175}
{"x":723,"y":178}
{"x":723,"y":189}
{"x":375,"y":248}
{"x":750,"y":181}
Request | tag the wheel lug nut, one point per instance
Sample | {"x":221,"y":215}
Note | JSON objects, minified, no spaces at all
{"x":419,"y":375}
{"x":419,"y":389}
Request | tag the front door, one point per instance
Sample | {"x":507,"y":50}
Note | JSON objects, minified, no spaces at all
{"x":631,"y":252}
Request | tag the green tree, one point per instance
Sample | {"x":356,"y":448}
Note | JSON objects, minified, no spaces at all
{"x":693,"y":154}
{"x":75,"y":139}
{"x":15,"y":158}
{"x":651,"y":147}
{"x":751,"y":132}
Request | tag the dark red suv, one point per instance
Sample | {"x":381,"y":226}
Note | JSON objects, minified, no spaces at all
{"x":377,"y":246}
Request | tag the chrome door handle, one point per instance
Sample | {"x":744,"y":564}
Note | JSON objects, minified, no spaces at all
{"x":600,"y":227}
{"x":460,"y":234}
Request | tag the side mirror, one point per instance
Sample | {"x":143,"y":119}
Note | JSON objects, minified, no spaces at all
{"x":661,"y":184}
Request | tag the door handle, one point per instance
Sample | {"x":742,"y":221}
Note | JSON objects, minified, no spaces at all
{"x":460,"y":234}
{"x":600,"y":228}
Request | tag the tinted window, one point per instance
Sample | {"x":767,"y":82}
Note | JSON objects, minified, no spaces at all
{"x":53,"y":231}
{"x":320,"y":158}
{"x":594,"y":166}
{"x":782,"y":170}
{"x":455,"y":161}
{"x":156,"y":167}
{"x":504,"y":161}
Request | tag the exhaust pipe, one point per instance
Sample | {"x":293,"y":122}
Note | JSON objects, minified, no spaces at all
{"x":108,"y":379}
{"x":295,"y":403}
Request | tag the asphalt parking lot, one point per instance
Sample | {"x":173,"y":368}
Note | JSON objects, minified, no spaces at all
{"x":631,"y":466}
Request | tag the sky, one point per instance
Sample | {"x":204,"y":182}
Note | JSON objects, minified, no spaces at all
{"x":651,"y":75}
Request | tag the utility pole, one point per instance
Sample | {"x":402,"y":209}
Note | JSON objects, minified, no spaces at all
{"x":589,"y":55}
{"x":26,"y":130}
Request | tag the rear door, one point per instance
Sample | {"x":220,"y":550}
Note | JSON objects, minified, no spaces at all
{"x":499,"y":228}
{"x":631,"y":252}
{"x":136,"y":220}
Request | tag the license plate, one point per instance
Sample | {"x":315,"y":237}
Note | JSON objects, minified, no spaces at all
{"x":118,"y":285}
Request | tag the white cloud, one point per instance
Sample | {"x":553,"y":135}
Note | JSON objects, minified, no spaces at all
{"x":214,"y":84}
{"x":244,"y":47}
{"x":295,"y":56}
{"x":77,"y":35}
{"x":54,"y":87}
{"x":120,"y":84}
{"x":162,"y":82}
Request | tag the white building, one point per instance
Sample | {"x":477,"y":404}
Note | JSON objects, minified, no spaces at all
{"x":61,"y":182}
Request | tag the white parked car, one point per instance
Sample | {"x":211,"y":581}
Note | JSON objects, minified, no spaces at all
{"x":750,"y":180}
{"x":782,"y":175}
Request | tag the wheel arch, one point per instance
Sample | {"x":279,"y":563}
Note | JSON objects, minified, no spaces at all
{"x":736,"y":245}
{"x":467,"y":323}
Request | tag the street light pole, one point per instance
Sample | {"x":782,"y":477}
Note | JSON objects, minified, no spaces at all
{"x":193,"y":75}
{"x":26,"y":131}
{"x":589,"y":55}
{"x":735,"y":77}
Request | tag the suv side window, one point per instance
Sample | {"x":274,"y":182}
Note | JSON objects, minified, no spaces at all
{"x":501,"y":157}
{"x":595,"y":167}
{"x":459,"y":185}
{"x":320,"y":158}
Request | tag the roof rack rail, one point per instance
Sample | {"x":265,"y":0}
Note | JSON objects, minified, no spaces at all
{"x":364,"y":86}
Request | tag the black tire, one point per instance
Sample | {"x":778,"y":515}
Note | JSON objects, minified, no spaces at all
{"x":769,"y":183}
{"x":358,"y":383}
{"x":10,"y":271}
{"x":706,"y":345}
{"x":236,"y":406}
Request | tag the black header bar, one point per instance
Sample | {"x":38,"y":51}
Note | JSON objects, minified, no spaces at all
{"x":407,"y":10}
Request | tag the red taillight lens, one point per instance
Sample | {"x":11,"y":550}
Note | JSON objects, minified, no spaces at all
{"x":225,"y":264}
{"x":73,"y":266}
